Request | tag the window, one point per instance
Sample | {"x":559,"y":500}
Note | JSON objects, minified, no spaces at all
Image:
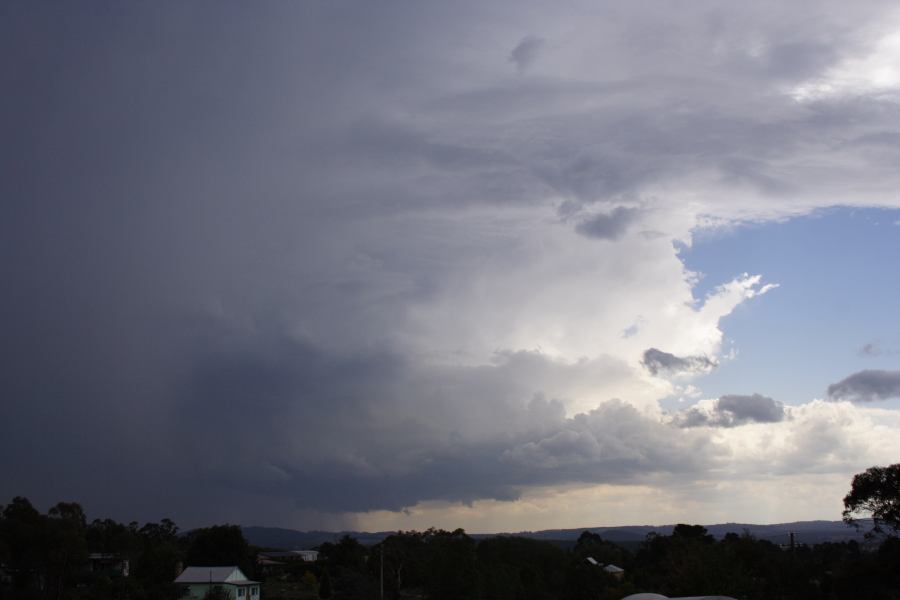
{"x":240,"y":592}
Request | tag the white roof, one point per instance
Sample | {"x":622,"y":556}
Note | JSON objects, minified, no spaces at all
{"x":613,"y":569}
{"x":212,"y":575}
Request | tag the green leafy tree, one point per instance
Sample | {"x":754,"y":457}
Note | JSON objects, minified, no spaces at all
{"x":66,"y":543}
{"x":586,"y":580}
{"x":875,"y":492}
{"x":158,"y":555}
{"x":348,"y":577}
{"x":518,"y":568}
{"x":346,"y":553}
{"x":452,"y":570}
{"x":109,"y":537}
{"x":404,"y":559}
{"x":325,"y":586}
{"x":23,"y":530}
{"x":219,"y":545}
{"x":687,"y":563}
{"x":310,"y":582}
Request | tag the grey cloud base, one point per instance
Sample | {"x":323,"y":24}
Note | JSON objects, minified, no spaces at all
{"x":257,"y":415}
{"x":866,"y":386}
{"x":732,"y":411}
{"x":375,"y":432}
{"x":659,"y":362}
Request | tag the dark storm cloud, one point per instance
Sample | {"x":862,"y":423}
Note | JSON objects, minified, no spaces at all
{"x":657,"y":362}
{"x":337,"y":425}
{"x":244,"y":417}
{"x":609,"y":226}
{"x":732,"y":411}
{"x":866,"y":386}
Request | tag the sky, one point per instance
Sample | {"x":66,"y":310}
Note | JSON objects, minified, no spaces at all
{"x":502,"y":266}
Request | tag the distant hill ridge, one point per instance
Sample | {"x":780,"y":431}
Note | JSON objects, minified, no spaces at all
{"x":808,"y":532}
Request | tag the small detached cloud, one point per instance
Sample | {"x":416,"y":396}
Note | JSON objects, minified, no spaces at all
{"x":732,"y":410}
{"x":526,"y":52}
{"x":608,"y":226}
{"x":866,"y":386}
{"x":659,"y":362}
{"x":871,"y":349}
{"x":876,"y":349}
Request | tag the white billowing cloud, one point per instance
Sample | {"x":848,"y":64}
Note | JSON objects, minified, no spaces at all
{"x":873,"y":69}
{"x":819,"y":437}
{"x":544,"y":288}
{"x":794,"y":469}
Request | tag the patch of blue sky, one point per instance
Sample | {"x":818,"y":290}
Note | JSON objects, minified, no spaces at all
{"x":836,"y":310}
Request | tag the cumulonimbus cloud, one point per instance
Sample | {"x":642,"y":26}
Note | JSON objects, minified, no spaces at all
{"x":381,"y":235}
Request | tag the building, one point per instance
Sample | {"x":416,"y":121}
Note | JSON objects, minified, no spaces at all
{"x":611,"y":569}
{"x":277,"y":562}
{"x":197,"y":581}
{"x":291,"y":555}
{"x":617,"y":572}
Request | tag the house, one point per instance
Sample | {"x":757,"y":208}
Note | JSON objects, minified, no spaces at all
{"x":617,"y":572}
{"x":611,"y":569}
{"x":197,"y":581}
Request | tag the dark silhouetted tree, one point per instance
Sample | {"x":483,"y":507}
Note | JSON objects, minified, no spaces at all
{"x":23,"y":530}
{"x":220,"y":545}
{"x":325,"y":586}
{"x":66,"y":543}
{"x":518,"y":568}
{"x":452,"y":572}
{"x":875,"y":492}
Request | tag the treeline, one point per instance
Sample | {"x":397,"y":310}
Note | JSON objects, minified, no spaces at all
{"x":441,"y":565}
{"x":44,"y":556}
{"x":444,"y":565}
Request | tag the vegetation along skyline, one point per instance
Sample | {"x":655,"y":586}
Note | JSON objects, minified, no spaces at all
{"x":499,"y":266}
